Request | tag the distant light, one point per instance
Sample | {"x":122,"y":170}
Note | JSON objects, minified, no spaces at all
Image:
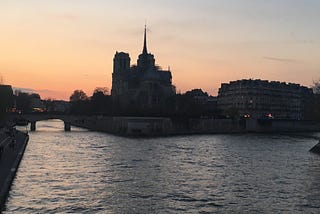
{"x":37,"y":110}
{"x":247,"y":116}
{"x":269,"y":115}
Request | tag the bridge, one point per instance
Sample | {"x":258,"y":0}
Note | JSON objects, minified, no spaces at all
{"x":33,"y":118}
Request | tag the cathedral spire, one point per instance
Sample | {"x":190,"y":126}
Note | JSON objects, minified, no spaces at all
{"x":145,"y":51}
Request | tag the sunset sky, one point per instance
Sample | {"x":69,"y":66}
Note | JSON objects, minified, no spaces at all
{"x":53,"y":47}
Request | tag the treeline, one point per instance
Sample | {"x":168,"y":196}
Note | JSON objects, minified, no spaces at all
{"x":192,"y":104}
{"x":98,"y":103}
{"x":179,"y":105}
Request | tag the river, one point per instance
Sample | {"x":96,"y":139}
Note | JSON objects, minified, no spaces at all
{"x":90,"y":172}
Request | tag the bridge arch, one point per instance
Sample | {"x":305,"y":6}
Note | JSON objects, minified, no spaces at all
{"x":33,"y":126}
{"x":34,"y":118}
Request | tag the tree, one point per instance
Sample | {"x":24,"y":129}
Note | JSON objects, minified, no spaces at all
{"x":100,"y":101}
{"x":316,"y":105}
{"x":48,"y":104}
{"x":101,"y":90}
{"x":316,"y":87}
{"x":78,"y":95}
{"x":312,"y":106}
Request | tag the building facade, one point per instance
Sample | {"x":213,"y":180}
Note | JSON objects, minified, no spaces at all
{"x":6,"y":98}
{"x":262,"y":98}
{"x":144,"y":85}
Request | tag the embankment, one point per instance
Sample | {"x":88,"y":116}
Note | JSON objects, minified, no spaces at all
{"x":12,"y":152}
{"x":153,"y":126}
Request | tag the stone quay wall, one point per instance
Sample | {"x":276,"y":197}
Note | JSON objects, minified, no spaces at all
{"x":152,"y":126}
{"x":12,"y":150}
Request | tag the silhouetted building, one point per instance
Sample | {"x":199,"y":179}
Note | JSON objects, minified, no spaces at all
{"x":58,"y":106}
{"x":36,"y":104}
{"x":6,"y":98}
{"x":198,"y":95}
{"x":144,"y":85}
{"x":261,"y":98}
{"x":197,"y":103}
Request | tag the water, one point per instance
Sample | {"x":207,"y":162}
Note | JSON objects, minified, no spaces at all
{"x":90,"y":172}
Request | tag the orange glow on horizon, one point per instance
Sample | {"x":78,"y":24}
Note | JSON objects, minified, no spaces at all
{"x":57,"y":47}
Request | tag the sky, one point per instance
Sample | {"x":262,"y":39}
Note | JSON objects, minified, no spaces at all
{"x":53,"y":47}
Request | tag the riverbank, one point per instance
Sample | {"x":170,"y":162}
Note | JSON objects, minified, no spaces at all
{"x":12,"y":150}
{"x":153,"y":126}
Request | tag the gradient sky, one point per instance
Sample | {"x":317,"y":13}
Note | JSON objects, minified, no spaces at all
{"x":56,"y":46}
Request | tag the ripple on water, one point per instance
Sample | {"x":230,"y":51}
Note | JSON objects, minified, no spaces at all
{"x":90,"y":172}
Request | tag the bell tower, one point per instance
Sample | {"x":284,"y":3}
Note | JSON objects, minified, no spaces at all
{"x":121,"y":62}
{"x":121,"y":68}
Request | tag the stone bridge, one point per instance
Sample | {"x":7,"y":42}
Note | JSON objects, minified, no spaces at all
{"x":33,"y":118}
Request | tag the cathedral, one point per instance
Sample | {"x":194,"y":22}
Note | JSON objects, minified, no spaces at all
{"x":144,"y":85}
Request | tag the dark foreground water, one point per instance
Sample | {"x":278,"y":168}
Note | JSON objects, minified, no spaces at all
{"x":90,"y":172}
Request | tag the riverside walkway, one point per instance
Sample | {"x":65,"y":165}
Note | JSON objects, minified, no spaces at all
{"x":11,"y":149}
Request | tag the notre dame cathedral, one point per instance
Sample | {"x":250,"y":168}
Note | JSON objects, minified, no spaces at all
{"x":144,"y":86}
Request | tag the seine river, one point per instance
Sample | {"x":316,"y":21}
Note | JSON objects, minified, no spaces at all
{"x":90,"y":172}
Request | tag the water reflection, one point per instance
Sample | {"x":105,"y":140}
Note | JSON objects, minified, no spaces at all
{"x":84,"y":171}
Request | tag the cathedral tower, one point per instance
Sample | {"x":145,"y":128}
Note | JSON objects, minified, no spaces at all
{"x":121,"y":67}
{"x":121,"y":62}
